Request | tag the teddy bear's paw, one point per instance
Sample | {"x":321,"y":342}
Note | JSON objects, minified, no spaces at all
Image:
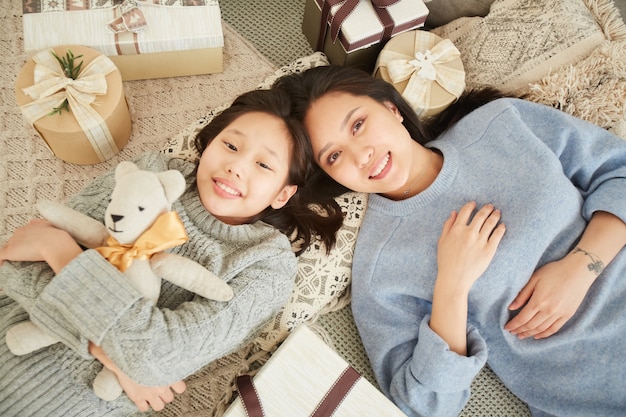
{"x":25,"y":338}
{"x":106,"y":386}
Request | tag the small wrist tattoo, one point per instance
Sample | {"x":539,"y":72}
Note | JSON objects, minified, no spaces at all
{"x":596,"y":265}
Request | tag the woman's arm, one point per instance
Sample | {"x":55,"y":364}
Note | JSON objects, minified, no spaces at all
{"x":556,"y":290}
{"x":466,"y":247}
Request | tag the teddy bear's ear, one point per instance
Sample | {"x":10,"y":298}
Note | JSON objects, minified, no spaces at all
{"x":124,"y":168}
{"x":173,"y":183}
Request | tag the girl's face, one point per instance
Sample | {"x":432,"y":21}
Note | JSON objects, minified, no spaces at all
{"x":361,"y":143}
{"x":244,"y":169}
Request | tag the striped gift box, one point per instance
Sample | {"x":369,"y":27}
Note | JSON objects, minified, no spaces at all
{"x":179,"y":37}
{"x":352,"y":32}
{"x":305,"y":377}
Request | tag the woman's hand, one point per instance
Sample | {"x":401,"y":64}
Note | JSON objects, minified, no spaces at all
{"x":39,"y":240}
{"x":551,"y":297}
{"x":466,"y":247}
{"x":149,"y":397}
{"x":467,"y":244}
{"x":556,"y":290}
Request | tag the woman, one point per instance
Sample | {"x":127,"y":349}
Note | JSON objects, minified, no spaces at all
{"x":246,"y":194}
{"x":436,"y":295}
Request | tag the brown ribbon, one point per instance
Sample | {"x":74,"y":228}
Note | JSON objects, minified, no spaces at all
{"x":325,"y":408}
{"x":345,"y":9}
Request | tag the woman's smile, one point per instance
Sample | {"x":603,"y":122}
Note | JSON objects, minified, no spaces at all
{"x":382,"y":167}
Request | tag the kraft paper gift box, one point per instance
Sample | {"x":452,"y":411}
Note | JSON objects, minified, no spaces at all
{"x":352,"y":32}
{"x":305,"y":376}
{"x":98,"y":124}
{"x":144,"y":38}
{"x":426,"y":69}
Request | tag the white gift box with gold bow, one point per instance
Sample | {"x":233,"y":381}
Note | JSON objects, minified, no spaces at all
{"x":426,"y":69}
{"x":145,"y":39}
{"x":97,"y":125}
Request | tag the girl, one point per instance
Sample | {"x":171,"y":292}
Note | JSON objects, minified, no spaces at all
{"x":432,"y":298}
{"x":247,"y":192}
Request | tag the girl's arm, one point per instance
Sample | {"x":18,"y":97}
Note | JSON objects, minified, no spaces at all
{"x":143,"y":396}
{"x":40,"y":241}
{"x":466,"y":247}
{"x":556,"y":290}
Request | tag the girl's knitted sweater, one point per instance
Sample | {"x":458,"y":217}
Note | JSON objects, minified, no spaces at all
{"x":90,"y":300}
{"x":548,"y":173}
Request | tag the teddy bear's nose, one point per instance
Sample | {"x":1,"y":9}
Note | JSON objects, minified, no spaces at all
{"x":116,"y":218}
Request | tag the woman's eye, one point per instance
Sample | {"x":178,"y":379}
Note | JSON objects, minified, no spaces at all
{"x":333,"y":157}
{"x":357,"y":126}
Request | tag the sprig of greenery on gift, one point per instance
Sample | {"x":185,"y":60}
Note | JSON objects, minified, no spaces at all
{"x":71,"y":69}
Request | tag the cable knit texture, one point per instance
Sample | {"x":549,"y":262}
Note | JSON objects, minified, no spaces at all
{"x":91,"y":300}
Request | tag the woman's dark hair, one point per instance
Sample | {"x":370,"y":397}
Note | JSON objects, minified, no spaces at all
{"x":300,"y":219}
{"x":306,"y":87}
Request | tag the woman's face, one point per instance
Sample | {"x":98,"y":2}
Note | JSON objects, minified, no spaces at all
{"x":361,"y":143}
{"x":244,"y":169}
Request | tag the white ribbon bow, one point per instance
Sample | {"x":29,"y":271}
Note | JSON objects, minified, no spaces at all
{"x":422,"y":69}
{"x":51,"y":87}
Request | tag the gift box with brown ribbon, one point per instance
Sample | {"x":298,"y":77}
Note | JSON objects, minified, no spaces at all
{"x":426,"y":69}
{"x":352,"y":32}
{"x":145,"y":39}
{"x":83,"y":117}
{"x":306,"y":377}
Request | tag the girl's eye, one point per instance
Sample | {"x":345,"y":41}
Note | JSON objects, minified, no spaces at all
{"x":230,"y":146}
{"x":264,"y":166}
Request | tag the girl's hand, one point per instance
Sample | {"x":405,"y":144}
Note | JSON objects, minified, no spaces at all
{"x":143,"y":396}
{"x":552,"y":296}
{"x":39,"y":240}
{"x":149,"y":397}
{"x":467,"y":244}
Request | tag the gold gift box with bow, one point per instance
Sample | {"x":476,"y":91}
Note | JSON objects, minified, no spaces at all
{"x":98,"y":124}
{"x":426,"y":69}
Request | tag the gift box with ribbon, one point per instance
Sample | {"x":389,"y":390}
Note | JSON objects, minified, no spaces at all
{"x":305,"y":377}
{"x":352,"y":32}
{"x":96,"y":124}
{"x":426,"y":69}
{"x":144,"y":38}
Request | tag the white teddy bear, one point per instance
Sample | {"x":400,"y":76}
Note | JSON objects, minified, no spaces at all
{"x":128,"y":239}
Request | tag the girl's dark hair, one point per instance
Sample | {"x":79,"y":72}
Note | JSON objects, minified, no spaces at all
{"x":306,"y":87}
{"x":307,"y":215}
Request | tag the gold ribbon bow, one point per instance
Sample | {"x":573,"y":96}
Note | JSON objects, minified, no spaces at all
{"x":166,"y":232}
{"x":51,"y":87}
{"x":422,"y":69}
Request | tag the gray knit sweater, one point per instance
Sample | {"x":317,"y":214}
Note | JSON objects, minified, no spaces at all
{"x":155,"y":345}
